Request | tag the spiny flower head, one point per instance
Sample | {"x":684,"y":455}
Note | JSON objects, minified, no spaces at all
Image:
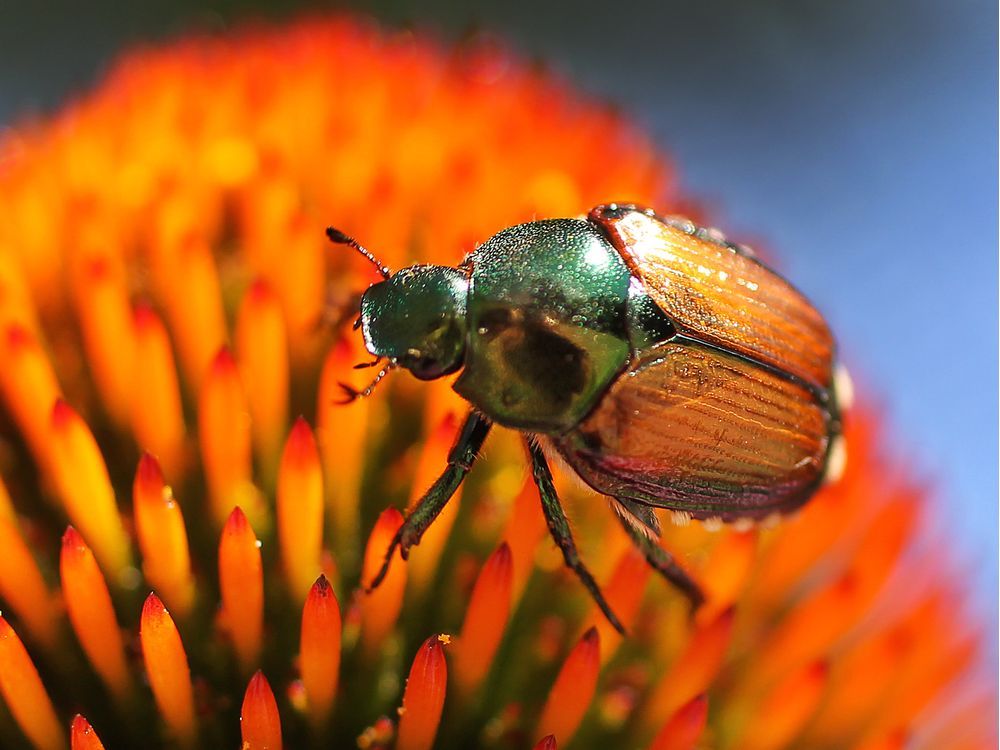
{"x":168,"y":309}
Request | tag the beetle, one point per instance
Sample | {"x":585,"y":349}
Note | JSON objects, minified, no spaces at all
{"x":666,"y":366}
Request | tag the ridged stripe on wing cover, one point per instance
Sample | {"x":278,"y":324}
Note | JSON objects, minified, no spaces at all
{"x":693,"y":428}
{"x":722,"y":297}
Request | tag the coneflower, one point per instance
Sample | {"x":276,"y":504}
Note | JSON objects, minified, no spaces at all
{"x":173,"y":329}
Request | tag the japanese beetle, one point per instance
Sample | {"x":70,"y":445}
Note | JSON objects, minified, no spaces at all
{"x":666,"y":366}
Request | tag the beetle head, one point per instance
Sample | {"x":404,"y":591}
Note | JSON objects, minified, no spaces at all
{"x":416,"y":319}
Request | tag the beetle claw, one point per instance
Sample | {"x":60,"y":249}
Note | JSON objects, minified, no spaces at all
{"x":380,"y":576}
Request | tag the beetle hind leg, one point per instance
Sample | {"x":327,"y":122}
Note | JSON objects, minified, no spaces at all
{"x":559,"y":528}
{"x":658,"y":558}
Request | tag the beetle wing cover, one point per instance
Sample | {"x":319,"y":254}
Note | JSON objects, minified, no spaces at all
{"x":721,"y":296}
{"x":697,"y":429}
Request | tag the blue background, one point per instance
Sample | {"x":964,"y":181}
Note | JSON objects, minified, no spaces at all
{"x":857,"y":140}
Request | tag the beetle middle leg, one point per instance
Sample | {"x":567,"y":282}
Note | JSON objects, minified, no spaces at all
{"x":460,"y":459}
{"x":559,"y":528}
{"x":659,"y":559}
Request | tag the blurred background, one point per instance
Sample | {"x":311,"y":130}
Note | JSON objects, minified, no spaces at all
{"x":855,"y":140}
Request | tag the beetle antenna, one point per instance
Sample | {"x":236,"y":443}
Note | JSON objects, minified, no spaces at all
{"x":352,"y":394}
{"x":339,"y":238}
{"x":366,"y":365}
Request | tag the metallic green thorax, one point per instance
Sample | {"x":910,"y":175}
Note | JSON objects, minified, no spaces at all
{"x":417,"y":318}
{"x":547,"y":324}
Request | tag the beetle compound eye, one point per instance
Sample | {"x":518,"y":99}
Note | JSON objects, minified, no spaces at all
{"x":424,"y":368}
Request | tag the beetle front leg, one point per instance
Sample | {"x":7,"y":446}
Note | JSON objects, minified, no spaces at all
{"x":663,"y":562}
{"x":460,"y":459}
{"x":559,"y":528}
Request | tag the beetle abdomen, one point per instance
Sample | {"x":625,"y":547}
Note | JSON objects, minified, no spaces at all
{"x":701,"y":430}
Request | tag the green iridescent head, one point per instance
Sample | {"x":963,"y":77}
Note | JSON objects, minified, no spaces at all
{"x":417,"y":319}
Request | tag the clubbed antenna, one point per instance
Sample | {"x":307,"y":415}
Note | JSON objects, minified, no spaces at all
{"x":339,"y":238}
